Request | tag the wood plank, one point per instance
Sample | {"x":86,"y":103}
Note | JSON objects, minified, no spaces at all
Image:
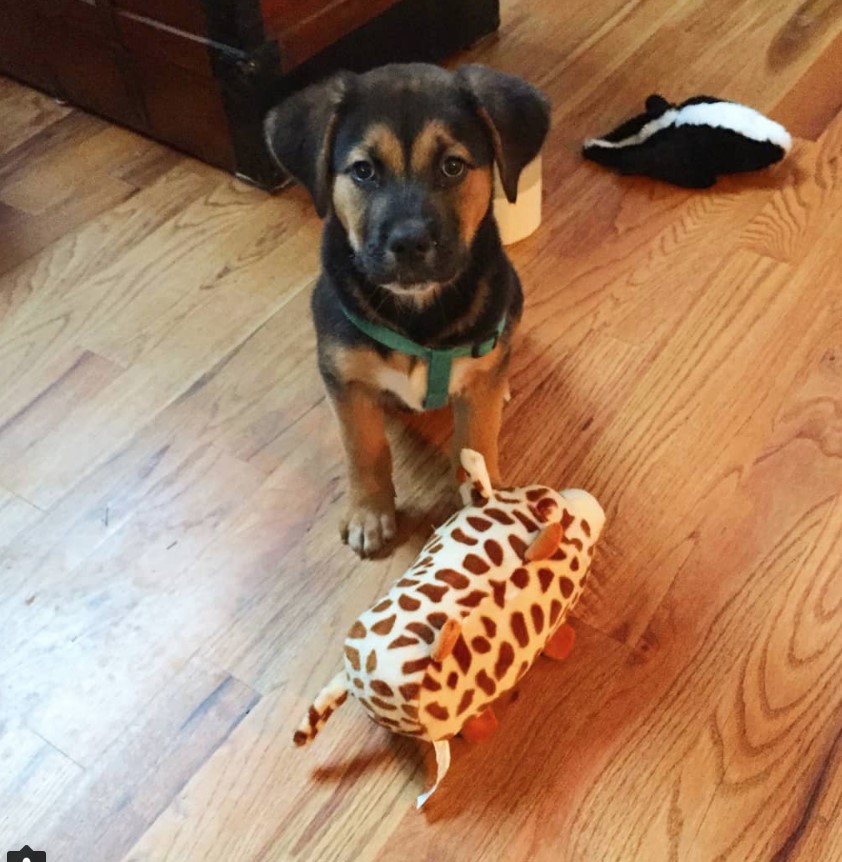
{"x":68,"y":131}
{"x":80,"y":254}
{"x":15,"y":515}
{"x":782,"y":716}
{"x":815,"y":835}
{"x":54,"y":463}
{"x":199,"y":326}
{"x":627,"y":285}
{"x":65,"y":187}
{"x":68,"y":643}
{"x":715,"y":374}
{"x":89,"y":375}
{"x":64,"y":175}
{"x":812,"y":103}
{"x":25,"y":112}
{"x":190,"y":717}
{"x":33,"y":781}
{"x":25,"y":235}
{"x":798,"y":214}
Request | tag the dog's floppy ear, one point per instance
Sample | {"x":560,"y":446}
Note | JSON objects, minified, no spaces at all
{"x":300,"y":132}
{"x":517,"y":115}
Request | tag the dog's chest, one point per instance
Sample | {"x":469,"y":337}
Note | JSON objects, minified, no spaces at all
{"x":407,"y":379}
{"x":410,"y":386}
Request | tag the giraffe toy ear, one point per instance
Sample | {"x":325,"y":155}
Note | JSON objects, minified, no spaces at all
{"x":447,"y":638}
{"x":477,"y":487}
{"x":546,"y":543}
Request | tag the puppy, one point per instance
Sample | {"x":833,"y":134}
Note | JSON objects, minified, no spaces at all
{"x":417,"y":301}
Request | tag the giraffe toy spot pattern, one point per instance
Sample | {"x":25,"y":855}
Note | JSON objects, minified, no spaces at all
{"x":489,"y":591}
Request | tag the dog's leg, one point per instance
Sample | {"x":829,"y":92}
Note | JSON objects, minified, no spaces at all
{"x":477,"y":416}
{"x":370,"y":519}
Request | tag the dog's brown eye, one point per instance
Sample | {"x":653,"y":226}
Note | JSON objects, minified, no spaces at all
{"x":453,"y":167}
{"x":362,"y":171}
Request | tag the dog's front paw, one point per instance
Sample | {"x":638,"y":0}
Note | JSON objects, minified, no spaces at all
{"x":368,"y":526}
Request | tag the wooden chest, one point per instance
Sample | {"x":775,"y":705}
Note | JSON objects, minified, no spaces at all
{"x":200,"y":74}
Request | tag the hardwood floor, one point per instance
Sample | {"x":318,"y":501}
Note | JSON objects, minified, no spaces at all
{"x":172,"y":588}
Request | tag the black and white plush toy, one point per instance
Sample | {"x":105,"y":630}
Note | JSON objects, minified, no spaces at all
{"x":691,"y":144}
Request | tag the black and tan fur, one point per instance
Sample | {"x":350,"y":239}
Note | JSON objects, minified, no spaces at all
{"x":400,"y":162}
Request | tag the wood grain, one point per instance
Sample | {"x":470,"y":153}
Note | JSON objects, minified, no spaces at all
{"x":15,"y":515}
{"x":35,"y":779}
{"x":25,"y":112}
{"x":173,"y":588}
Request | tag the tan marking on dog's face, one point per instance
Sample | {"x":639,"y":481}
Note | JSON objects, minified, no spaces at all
{"x":379,"y":144}
{"x":381,"y":147}
{"x":434,"y":143}
{"x":475,"y":194}
{"x":349,"y":206}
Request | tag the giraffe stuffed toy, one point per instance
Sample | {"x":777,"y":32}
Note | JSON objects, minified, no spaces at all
{"x":488,"y":593}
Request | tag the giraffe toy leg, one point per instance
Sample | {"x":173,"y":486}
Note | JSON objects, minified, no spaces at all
{"x":560,"y":645}
{"x":480,"y":727}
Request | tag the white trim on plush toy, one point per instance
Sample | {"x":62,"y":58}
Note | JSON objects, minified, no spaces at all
{"x":741,"y":119}
{"x":652,"y":127}
{"x":738,"y":118}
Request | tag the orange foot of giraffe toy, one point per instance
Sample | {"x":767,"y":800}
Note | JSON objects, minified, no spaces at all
{"x":560,"y":645}
{"x":480,"y":727}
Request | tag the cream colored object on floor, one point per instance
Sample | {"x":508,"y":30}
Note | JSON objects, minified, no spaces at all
{"x":466,"y":621}
{"x":522,"y":218}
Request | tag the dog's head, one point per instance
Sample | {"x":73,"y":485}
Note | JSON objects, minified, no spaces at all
{"x":403,"y":155}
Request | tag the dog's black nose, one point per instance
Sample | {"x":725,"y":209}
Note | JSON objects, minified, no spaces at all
{"x":410,"y":240}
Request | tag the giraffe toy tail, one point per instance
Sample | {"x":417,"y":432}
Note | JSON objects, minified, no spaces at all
{"x":330,"y":698}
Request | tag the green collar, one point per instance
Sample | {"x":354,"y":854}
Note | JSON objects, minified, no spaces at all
{"x":439,"y":359}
